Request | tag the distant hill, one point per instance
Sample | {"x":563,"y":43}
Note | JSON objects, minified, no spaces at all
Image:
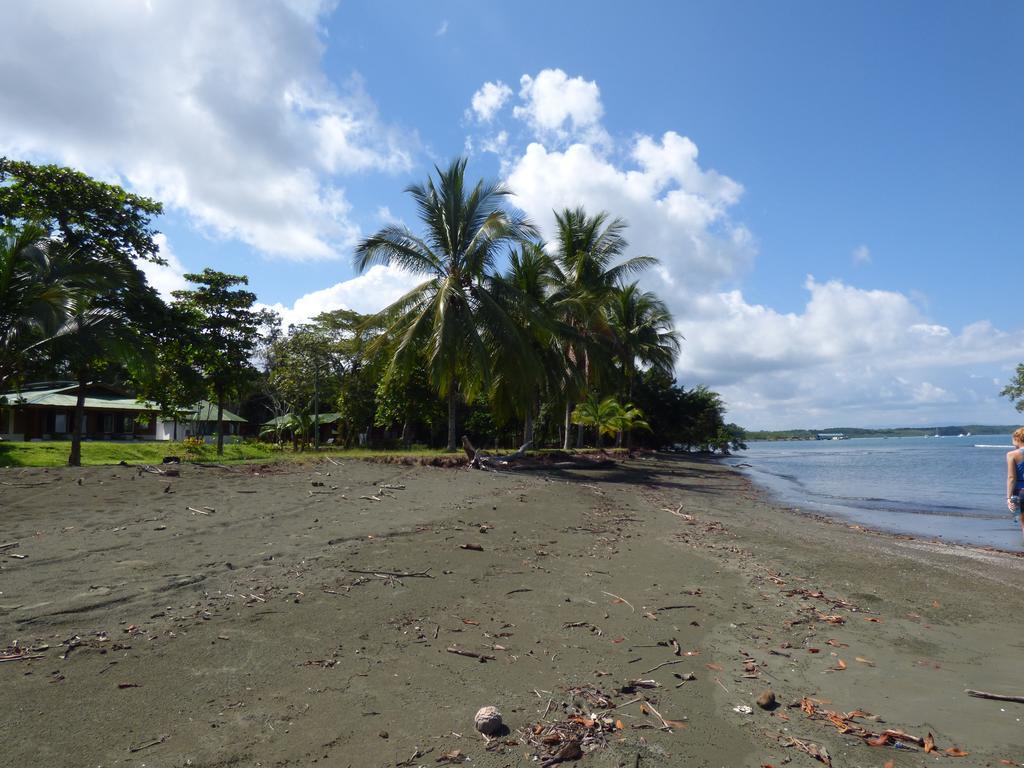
{"x":811,"y":434}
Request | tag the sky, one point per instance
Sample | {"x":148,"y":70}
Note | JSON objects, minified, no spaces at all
{"x":833,"y":190}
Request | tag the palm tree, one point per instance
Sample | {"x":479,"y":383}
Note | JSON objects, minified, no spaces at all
{"x":36,"y":295}
{"x":452,"y":319}
{"x":525,"y":290}
{"x":643,"y":332}
{"x":608,"y":416}
{"x":589,"y":269}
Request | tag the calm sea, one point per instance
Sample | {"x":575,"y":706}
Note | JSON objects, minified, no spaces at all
{"x":952,"y":488}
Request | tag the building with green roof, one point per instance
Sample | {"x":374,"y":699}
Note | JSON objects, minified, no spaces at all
{"x":46,"y":411}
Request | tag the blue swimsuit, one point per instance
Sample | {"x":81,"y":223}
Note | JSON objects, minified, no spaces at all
{"x":1019,"y":486}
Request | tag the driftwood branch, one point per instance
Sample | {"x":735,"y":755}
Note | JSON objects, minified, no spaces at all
{"x":151,"y":743}
{"x":481,"y":459}
{"x":995,"y":696}
{"x":470,"y":654}
{"x":397,"y":574}
{"x":663,"y":664}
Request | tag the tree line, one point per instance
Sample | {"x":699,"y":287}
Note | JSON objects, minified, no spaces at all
{"x":507,"y":338}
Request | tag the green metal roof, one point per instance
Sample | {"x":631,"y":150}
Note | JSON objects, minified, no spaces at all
{"x":204,"y":410}
{"x":325,"y":418}
{"x":58,"y":398}
{"x":67,"y":397}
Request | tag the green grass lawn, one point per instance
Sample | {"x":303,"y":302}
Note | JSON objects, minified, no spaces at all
{"x":55,"y":454}
{"x":97,"y":453}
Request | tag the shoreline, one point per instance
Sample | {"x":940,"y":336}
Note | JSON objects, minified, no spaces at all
{"x":973,"y":518}
{"x":247,"y":634}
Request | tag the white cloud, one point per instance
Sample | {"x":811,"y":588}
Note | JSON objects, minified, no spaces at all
{"x":851,"y":356}
{"x":442,"y":29}
{"x":385,"y":216}
{"x":675,"y":210}
{"x":165,"y":277}
{"x":369,"y":292}
{"x":221,"y":110}
{"x":926,"y":392}
{"x":561,"y":107}
{"x":861,"y":255}
{"x":489,"y":99}
{"x":866,"y":356}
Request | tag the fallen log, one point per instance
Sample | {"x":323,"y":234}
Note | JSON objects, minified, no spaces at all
{"x":481,"y":459}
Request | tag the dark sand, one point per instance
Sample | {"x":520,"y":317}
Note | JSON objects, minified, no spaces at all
{"x":241,"y":637}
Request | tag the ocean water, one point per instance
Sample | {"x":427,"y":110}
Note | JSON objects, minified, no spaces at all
{"x":953,"y":488}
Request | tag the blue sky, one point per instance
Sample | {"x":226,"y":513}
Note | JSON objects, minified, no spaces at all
{"x":833,"y":190}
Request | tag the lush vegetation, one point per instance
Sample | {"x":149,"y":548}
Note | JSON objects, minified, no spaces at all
{"x":507,"y":338}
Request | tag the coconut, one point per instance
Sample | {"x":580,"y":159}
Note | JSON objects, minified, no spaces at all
{"x":488,"y":721}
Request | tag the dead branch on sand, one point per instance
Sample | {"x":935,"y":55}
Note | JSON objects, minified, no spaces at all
{"x":994,"y":696}
{"x":397,"y":574}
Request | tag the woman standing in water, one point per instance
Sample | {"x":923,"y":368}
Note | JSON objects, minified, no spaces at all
{"x":1015,"y":476}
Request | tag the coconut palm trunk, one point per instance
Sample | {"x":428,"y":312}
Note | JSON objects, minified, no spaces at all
{"x":452,"y":408}
{"x":567,"y":442}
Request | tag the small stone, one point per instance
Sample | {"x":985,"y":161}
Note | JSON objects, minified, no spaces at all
{"x":488,"y":721}
{"x":383,"y":734}
{"x":766,"y":700}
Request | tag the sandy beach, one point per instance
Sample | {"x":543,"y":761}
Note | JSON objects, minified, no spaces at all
{"x":322,"y":614}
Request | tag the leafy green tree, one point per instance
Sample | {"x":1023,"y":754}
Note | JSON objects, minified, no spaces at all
{"x":1015,"y":389}
{"x":451,"y":319}
{"x":730,"y":437}
{"x":90,"y":217}
{"x":589,"y":256}
{"x":406,"y":398}
{"x":306,"y":370}
{"x":106,"y":328}
{"x":168,"y":377}
{"x":228,"y":328}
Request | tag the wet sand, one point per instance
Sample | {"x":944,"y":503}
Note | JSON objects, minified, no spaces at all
{"x":163,"y":636}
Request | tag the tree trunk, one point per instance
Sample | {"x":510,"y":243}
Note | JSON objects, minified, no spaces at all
{"x":316,"y":409}
{"x":597,"y":440}
{"x":220,"y":422}
{"x":528,"y":426}
{"x":567,"y":442}
{"x":406,"y":432}
{"x":629,"y":432}
{"x":579,"y":437}
{"x":75,"y":459}
{"x":452,"y":396}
